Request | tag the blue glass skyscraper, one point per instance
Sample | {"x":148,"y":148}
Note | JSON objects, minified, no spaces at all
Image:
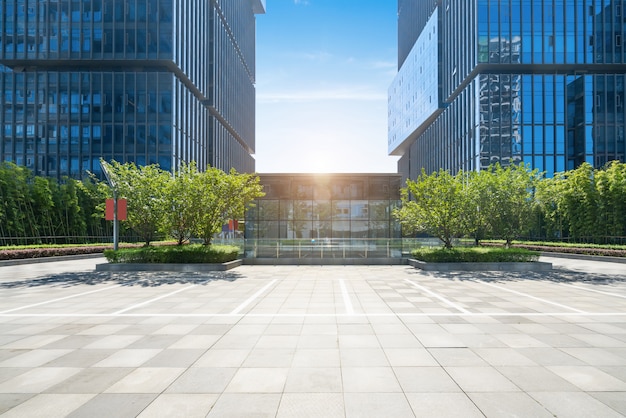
{"x":487,"y":81}
{"x":149,"y":81}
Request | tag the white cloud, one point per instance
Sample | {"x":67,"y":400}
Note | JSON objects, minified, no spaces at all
{"x":302,"y":2}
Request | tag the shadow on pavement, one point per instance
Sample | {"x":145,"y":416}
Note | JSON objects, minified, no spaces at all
{"x":557,"y":275}
{"x":143,"y":279}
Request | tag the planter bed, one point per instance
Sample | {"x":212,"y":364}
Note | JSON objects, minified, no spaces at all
{"x":174,"y":267}
{"x":515,"y":266}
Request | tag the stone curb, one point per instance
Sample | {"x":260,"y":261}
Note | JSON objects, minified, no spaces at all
{"x":574,"y":256}
{"x":324,"y":261}
{"x":533,"y":266}
{"x":52,"y":259}
{"x":174,"y":267}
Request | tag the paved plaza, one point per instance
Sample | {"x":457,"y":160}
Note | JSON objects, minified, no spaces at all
{"x":316,"y":341}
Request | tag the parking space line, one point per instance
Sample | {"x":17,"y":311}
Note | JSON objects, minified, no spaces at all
{"x":346,"y":298}
{"x":59,"y":299}
{"x":252,"y":298}
{"x":594,"y":290}
{"x":153,"y":300}
{"x":532,"y":297}
{"x":441,"y":298}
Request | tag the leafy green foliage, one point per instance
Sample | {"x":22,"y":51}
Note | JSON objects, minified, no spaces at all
{"x":223,"y":197}
{"x":584,"y":203}
{"x":174,"y":254}
{"x":144,"y":188}
{"x":496,"y":202}
{"x":436,"y":207}
{"x":34,"y":208}
{"x":474,"y":255}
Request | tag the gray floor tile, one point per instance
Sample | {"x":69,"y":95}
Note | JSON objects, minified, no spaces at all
{"x":589,"y":378}
{"x":574,"y":405}
{"x":11,"y":400}
{"x":49,"y":406}
{"x":237,"y":405}
{"x":113,"y":405}
{"x":369,"y":379}
{"x":314,"y":380}
{"x":202,"y":380}
{"x":442,"y":405}
{"x":311,"y":405}
{"x":374,"y":405}
{"x":91,"y":380}
{"x":508,"y":404}
{"x":481,"y":379}
{"x":258,"y":380}
{"x":146,"y":380}
{"x":425,"y":379}
{"x":182,"y":405}
{"x":615,"y":400}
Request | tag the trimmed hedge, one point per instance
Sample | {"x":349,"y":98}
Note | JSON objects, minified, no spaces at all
{"x":49,"y":252}
{"x":475,"y":255}
{"x":598,"y":250}
{"x":192,"y":253}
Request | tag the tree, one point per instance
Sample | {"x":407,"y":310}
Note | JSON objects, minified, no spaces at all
{"x":580,"y":201}
{"x":611,"y":195}
{"x":479,"y":203}
{"x":184,"y":199}
{"x":510,"y":191}
{"x":145,"y":190}
{"x":549,"y":203}
{"x":224,"y":197}
{"x":436,"y":208}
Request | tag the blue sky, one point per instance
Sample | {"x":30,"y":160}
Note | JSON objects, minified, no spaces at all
{"x":323,"y":70}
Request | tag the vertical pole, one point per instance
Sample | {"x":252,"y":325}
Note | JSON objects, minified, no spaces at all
{"x":115,"y":223}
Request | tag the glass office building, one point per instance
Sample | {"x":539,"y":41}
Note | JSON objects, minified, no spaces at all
{"x":148,"y":81}
{"x":487,"y":81}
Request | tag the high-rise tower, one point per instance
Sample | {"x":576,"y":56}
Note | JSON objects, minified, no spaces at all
{"x":149,"y":81}
{"x":487,"y":81}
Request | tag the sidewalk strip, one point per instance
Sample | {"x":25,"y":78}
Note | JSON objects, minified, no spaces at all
{"x":251,"y":298}
{"x":346,"y":298}
{"x":60,"y":299}
{"x":441,"y":298}
{"x":532,"y":297}
{"x":153,"y":300}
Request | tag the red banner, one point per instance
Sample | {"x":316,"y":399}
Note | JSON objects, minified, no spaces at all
{"x":121,"y":210}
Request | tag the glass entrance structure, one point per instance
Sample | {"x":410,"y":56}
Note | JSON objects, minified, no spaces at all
{"x":324,"y":215}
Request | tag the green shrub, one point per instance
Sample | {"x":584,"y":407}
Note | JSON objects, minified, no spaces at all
{"x":193,"y":253}
{"x":474,"y":255}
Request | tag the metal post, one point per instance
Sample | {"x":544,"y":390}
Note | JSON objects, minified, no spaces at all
{"x":116,"y":228}
{"x":114,"y":189}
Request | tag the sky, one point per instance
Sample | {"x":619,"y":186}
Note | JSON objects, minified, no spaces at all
{"x":322,"y":74}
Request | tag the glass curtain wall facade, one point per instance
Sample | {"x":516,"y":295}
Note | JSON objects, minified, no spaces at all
{"x":147,"y":81}
{"x":533,"y":81}
{"x":320,"y":207}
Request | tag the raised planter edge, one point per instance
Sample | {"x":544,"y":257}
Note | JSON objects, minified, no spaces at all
{"x":516,"y":266}
{"x":175,"y":267}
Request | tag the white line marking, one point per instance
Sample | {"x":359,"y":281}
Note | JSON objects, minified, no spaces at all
{"x":441,"y":298}
{"x":346,"y":298}
{"x":593,"y":290}
{"x":59,"y":299}
{"x":533,"y":297}
{"x":251,"y":298}
{"x":329,"y":315}
{"x":153,"y":300}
